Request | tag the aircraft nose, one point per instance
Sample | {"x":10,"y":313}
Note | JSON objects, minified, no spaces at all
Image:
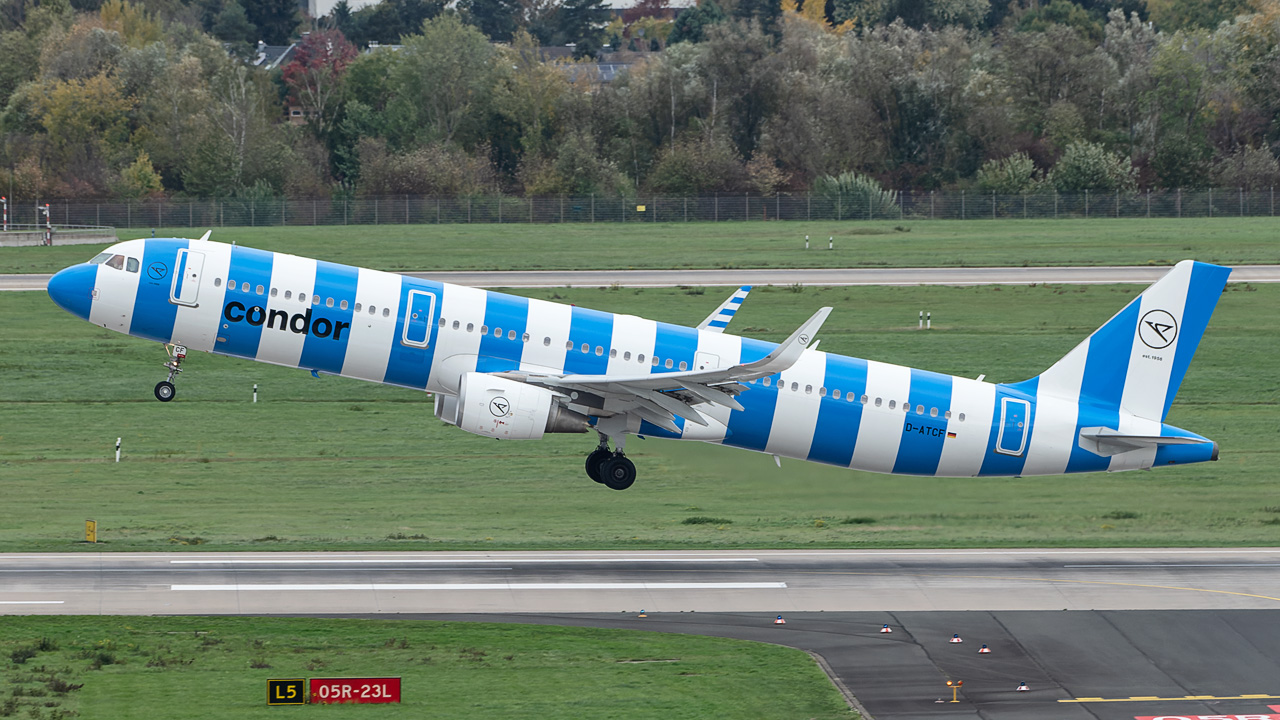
{"x":72,"y":289}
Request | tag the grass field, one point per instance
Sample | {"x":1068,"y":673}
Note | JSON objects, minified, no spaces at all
{"x":210,"y":668}
{"x":331,"y":463}
{"x":931,"y":243}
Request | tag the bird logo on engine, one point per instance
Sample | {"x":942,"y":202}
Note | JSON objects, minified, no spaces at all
{"x":499,"y":406}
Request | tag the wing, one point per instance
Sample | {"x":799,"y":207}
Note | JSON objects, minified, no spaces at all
{"x":719,"y":320}
{"x":661,"y":397}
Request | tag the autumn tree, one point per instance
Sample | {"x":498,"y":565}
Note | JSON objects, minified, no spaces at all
{"x":315,"y":75}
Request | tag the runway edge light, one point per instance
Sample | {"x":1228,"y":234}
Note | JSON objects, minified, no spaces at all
{"x":984,"y":650}
{"x":1022,"y":687}
{"x":886,"y":629}
{"x":779,"y":621}
{"x":955,"y":639}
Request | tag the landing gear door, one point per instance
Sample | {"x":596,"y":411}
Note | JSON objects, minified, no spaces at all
{"x":1013,"y":426}
{"x":186,"y":278}
{"x":419,"y":318}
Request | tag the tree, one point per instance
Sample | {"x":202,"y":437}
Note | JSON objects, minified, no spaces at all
{"x":275,"y":20}
{"x":497,"y":19}
{"x":1173,"y":15}
{"x":441,"y":80}
{"x":86,"y":123}
{"x":315,"y":74}
{"x":140,"y":180}
{"x":692,"y":24}
{"x":1251,"y":168}
{"x":232,"y":25}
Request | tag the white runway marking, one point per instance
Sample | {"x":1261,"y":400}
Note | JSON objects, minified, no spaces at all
{"x":483,"y":586}
{"x":459,"y":561}
{"x":31,"y":602}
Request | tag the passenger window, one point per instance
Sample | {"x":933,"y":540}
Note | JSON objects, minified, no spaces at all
{"x":961,"y":417}
{"x":274,"y":292}
{"x":260,"y":290}
{"x":217,"y":282}
{"x":511,"y":335}
{"x":302,"y":297}
{"x":231,"y":284}
{"x":626,"y":355}
{"x":315,"y":299}
{"x":456,"y":324}
{"x":599,"y":351}
{"x":546,"y":342}
{"x":767,"y":382}
{"x":808,"y":389}
{"x":586,"y":348}
{"x":947,"y":414}
{"x":132,"y":264}
{"x":877,"y":402}
{"x":471,"y":327}
{"x":525,"y":338}
{"x":683,"y":366}
{"x":795,"y":387}
{"x":640,"y":358}
{"x":668,"y":363}
{"x":568,"y":345}
{"x":920,"y":410}
{"x":359,"y":307}
{"x":288,"y":294}
{"x":372,"y":310}
{"x":342,"y":305}
{"x":893,"y":404}
{"x":835,"y":394}
{"x":933,"y":412}
{"x":116,"y":261}
{"x":865,"y":399}
{"x":613,"y":352}
{"x":386,"y":312}
{"x":484,"y":329}
{"x":822,"y":392}
{"x":654,"y":361}
{"x":440,"y":322}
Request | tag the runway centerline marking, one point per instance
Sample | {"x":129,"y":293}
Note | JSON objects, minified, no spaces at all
{"x":1152,"y":698}
{"x":1119,"y":566}
{"x":280,"y":587}
{"x":465,"y":561}
{"x":32,"y":602}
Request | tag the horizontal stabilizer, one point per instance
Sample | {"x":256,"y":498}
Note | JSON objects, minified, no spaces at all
{"x":1107,"y":442}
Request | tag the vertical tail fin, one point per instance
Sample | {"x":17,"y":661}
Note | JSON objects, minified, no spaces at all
{"x":1137,"y":360}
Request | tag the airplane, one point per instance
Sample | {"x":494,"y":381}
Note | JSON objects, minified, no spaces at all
{"x":509,"y":367}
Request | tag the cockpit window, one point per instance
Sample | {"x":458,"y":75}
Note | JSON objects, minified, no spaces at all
{"x":100,"y":258}
{"x":116,"y":261}
{"x":132,"y":264}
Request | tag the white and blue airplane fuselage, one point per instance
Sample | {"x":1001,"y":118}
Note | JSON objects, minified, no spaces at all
{"x":511,"y":367}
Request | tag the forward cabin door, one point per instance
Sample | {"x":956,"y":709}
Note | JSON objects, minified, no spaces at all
{"x":186,"y":279}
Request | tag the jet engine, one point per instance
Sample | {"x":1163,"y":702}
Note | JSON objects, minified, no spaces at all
{"x":499,"y":408}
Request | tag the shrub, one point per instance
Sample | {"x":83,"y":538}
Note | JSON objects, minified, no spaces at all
{"x":705,"y":520}
{"x":855,"y":190}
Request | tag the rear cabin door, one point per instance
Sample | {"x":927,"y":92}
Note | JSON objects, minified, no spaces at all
{"x":1012,"y":439}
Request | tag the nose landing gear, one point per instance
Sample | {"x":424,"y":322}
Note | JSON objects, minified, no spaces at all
{"x":165,"y":389}
{"x":611,"y":469}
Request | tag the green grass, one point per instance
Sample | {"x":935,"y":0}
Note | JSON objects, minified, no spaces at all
{"x":339,"y":464}
{"x":736,"y":244}
{"x":202,"y":668}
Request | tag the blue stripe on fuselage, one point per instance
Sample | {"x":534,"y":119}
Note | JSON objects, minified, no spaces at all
{"x":595,"y":330}
{"x":676,"y":344}
{"x":153,"y":314}
{"x":325,"y":346}
{"x":923,"y":434}
{"x":839,"y":419}
{"x":749,"y":428}
{"x":411,"y":366}
{"x":502,"y":315}
{"x":250,"y":269}
{"x":995,"y":463}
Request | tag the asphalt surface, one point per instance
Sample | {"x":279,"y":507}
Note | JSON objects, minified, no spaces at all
{"x":819,"y":276}
{"x":1086,"y":630}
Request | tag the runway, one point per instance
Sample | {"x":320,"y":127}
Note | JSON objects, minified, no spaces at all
{"x":770,"y":581}
{"x":1193,"y":631}
{"x":782,"y":276}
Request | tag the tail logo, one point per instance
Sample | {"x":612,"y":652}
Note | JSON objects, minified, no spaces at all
{"x":1158,"y":329}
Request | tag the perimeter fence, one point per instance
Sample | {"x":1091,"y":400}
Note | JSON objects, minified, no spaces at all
{"x":887,"y":205}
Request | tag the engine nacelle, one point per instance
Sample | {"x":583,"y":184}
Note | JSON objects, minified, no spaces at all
{"x":505,"y":409}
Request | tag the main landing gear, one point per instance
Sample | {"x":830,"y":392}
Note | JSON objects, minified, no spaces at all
{"x":612,"y":469}
{"x":165,"y":389}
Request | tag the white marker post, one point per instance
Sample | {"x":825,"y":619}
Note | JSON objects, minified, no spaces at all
{"x":255,"y":392}
{"x":117,"y":449}
{"x":928,"y":321}
{"x":831,"y":243}
{"x":5,"y":202}
{"x":806,"y":242}
{"x":921,"y":326}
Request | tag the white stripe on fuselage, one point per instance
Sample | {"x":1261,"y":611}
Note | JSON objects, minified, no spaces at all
{"x":115,"y":291}
{"x":457,"y":350}
{"x":880,"y":432}
{"x":963,"y":454}
{"x":296,"y":276}
{"x":372,"y":335}
{"x":548,"y":328}
{"x":795,"y":416}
